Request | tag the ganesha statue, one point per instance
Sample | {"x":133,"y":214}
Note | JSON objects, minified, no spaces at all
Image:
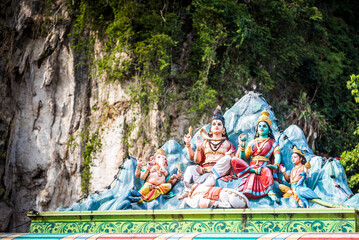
{"x":155,"y":175}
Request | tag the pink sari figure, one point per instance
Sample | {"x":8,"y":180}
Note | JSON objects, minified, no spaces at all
{"x":259,"y":183}
{"x":257,"y":177}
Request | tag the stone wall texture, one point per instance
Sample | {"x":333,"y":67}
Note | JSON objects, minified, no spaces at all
{"x":47,"y":102}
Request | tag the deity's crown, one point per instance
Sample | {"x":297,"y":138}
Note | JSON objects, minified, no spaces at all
{"x":264,"y":117}
{"x":160,"y":151}
{"x":297,"y":151}
{"x":218,"y":114}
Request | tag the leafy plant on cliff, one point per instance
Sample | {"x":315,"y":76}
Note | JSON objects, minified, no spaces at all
{"x":92,"y":144}
{"x":350,"y":159}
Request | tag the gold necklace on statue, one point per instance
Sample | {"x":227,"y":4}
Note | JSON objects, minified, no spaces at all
{"x":262,"y":146}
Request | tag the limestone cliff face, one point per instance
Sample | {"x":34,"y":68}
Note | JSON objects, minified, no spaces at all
{"x":48,"y":102}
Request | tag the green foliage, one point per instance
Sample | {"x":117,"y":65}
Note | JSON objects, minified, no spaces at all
{"x":207,"y":52}
{"x":204,"y":97}
{"x":153,"y":68}
{"x":221,"y":27}
{"x":82,"y":43}
{"x":310,"y":117}
{"x":91,"y":144}
{"x":322,"y":75}
{"x":71,"y":143}
{"x":350,"y":159}
{"x":353,"y":85}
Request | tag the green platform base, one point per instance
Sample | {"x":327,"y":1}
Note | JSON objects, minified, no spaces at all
{"x":197,"y":220}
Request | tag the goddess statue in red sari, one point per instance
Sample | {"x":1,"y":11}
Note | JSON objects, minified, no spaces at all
{"x":257,"y":178}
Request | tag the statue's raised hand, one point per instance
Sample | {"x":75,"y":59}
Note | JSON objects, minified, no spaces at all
{"x":150,"y":163}
{"x":282,"y":169}
{"x":242,"y":140}
{"x":179,"y":174}
{"x":187,"y":139}
{"x":139,"y":162}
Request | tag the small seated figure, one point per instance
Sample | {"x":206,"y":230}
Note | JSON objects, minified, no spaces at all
{"x":297,"y":177}
{"x":155,"y":175}
{"x":298,"y":190}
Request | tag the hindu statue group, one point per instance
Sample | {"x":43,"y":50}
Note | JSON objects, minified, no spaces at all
{"x":237,"y":160}
{"x":255,"y":167}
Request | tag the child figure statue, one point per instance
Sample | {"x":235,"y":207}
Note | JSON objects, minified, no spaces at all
{"x":298,"y":190}
{"x":155,"y":175}
{"x":297,"y":177}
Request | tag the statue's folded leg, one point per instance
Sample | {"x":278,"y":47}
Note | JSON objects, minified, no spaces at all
{"x":210,"y":181}
{"x":190,"y":176}
{"x":145,"y":189}
{"x":222,"y":167}
{"x":240,"y":166}
{"x":155,"y":193}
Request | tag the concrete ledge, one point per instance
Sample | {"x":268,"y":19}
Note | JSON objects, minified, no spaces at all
{"x":197,"y":220}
